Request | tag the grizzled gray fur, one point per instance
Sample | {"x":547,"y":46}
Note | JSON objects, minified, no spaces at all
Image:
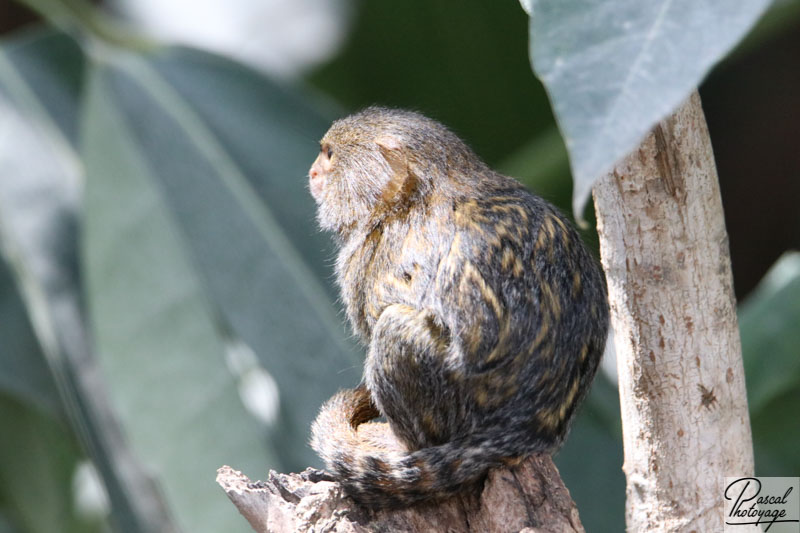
{"x":483,"y":313}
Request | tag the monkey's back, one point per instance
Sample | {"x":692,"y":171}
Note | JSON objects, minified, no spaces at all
{"x":511,"y":289}
{"x":527,"y":304}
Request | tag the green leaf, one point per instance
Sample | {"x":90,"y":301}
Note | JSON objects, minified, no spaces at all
{"x":51,"y":70}
{"x":271,"y":133}
{"x":768,"y":321}
{"x":37,"y":461}
{"x":23,"y":370}
{"x":614,"y":69}
{"x":39,"y":197}
{"x":272,"y":282}
{"x":161,"y":350}
{"x":200,"y":246}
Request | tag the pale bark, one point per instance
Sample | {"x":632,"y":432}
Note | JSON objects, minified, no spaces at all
{"x":665,"y":252}
{"x":528,"y":498}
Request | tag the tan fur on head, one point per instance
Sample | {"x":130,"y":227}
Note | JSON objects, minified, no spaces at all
{"x":376,"y":158}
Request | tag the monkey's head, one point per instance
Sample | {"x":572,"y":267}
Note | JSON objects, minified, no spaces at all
{"x":375,"y":161}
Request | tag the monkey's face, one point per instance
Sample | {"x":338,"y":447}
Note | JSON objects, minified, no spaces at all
{"x":352,"y":180}
{"x":319,"y":171}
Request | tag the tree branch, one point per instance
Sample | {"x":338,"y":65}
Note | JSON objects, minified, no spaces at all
{"x":681,"y":379}
{"x":528,"y":497}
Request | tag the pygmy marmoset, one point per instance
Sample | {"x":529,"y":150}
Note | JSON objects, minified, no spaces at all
{"x":484,"y":315}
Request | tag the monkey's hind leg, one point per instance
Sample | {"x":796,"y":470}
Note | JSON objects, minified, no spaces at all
{"x":406,"y":374}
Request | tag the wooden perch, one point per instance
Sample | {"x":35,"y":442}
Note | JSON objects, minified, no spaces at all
{"x":529,"y":497}
{"x":664,"y":246}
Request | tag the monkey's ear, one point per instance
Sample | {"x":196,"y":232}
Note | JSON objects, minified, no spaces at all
{"x":402,"y":181}
{"x":388,"y":143}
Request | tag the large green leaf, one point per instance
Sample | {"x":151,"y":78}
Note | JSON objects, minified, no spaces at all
{"x":162,"y":353}
{"x":266,"y":265}
{"x":270,"y":133}
{"x":769,"y":320}
{"x":23,"y":369}
{"x":39,"y":196}
{"x":44,"y":72}
{"x":614,"y":69}
{"x":200,"y":240}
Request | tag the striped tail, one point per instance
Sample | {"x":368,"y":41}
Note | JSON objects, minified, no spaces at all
{"x":377,"y":471}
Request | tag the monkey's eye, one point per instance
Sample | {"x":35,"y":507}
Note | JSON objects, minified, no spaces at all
{"x":330,"y":152}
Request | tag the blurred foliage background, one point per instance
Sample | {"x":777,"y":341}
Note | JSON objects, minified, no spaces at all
{"x":166,"y":303}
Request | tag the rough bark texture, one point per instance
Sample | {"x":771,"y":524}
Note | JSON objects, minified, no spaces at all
{"x":665,"y":252}
{"x":529,"y":497}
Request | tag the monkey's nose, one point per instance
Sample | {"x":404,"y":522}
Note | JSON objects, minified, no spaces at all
{"x":313,"y":173}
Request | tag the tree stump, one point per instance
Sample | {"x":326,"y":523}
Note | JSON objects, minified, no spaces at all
{"x":528,"y":497}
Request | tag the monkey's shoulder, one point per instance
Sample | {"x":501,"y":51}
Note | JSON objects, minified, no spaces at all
{"x":506,"y":223}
